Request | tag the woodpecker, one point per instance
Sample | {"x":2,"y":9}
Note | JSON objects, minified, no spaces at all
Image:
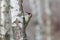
{"x":27,"y":18}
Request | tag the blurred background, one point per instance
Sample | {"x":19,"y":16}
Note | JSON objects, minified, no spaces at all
{"x":43,"y":25}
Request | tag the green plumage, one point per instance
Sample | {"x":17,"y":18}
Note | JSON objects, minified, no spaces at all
{"x":27,"y":19}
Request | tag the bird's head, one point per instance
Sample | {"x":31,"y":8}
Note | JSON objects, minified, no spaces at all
{"x":29,"y":14}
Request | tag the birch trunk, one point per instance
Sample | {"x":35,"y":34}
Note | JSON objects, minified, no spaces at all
{"x":4,"y":9}
{"x":1,"y":25}
{"x":16,"y":26}
{"x":0,"y":18}
{"x":48,"y":23}
{"x":36,"y":7}
{"x":24,"y":27}
{"x":7,"y":17}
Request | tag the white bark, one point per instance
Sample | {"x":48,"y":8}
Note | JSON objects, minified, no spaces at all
{"x":5,"y":17}
{"x":15,"y":10}
{"x":0,"y":23}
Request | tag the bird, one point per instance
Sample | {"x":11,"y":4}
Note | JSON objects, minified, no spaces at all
{"x":27,"y":18}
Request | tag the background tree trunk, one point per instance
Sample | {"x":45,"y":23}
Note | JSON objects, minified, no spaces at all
{"x":48,"y":23}
{"x":36,"y":6}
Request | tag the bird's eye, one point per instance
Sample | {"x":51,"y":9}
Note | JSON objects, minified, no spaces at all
{"x":29,"y":13}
